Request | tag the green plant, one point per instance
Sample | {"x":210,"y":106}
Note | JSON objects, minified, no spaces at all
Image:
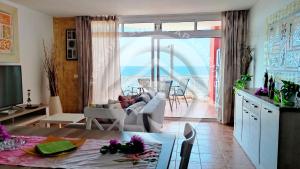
{"x":241,"y":83}
{"x":288,"y":91}
{"x":277,"y":96}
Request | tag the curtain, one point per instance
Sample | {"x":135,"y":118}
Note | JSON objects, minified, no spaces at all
{"x":84,"y":50}
{"x":234,"y":40}
{"x":106,"y":59}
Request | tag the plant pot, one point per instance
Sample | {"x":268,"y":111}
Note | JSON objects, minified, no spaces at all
{"x":55,"y":105}
{"x":288,"y":102}
{"x":248,"y":84}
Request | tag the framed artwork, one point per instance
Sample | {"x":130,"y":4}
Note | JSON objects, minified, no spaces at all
{"x":71,"y":52}
{"x":282,"y":45}
{"x":9,"y":42}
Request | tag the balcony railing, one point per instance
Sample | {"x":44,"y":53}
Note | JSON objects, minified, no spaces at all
{"x":197,"y":87}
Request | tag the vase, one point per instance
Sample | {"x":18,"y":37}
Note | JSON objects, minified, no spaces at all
{"x":55,"y":105}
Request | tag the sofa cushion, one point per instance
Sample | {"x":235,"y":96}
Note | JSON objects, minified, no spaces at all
{"x":132,"y":112}
{"x":143,"y":97}
{"x":126,"y":101}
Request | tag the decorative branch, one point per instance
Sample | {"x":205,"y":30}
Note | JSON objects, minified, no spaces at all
{"x":49,"y":64}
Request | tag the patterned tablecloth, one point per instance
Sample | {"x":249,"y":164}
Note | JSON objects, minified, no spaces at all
{"x":87,"y":157}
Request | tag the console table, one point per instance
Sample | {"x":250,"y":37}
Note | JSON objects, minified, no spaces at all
{"x":24,"y":117}
{"x":268,"y":133}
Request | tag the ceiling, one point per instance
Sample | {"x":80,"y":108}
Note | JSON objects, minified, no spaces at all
{"x":63,"y":8}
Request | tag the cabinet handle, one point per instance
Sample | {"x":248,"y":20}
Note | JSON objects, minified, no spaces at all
{"x":246,"y":112}
{"x":269,"y":111}
{"x":255,"y":106}
{"x":255,"y":118}
{"x":246,"y":101}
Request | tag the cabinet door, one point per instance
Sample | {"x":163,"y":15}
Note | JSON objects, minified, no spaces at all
{"x":238,"y":117}
{"x":246,"y":131}
{"x":269,"y":138}
{"x":255,"y":138}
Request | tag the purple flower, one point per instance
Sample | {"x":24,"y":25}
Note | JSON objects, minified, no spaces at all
{"x":113,"y":142}
{"x":4,"y":135}
{"x":138,"y":143}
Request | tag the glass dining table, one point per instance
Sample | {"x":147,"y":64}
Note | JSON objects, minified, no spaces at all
{"x":166,"y":142}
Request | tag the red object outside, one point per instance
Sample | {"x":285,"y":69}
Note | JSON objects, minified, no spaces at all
{"x":215,"y":44}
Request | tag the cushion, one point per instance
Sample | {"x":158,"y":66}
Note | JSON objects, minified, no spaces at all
{"x":143,"y":97}
{"x":135,"y":108}
{"x":126,"y":101}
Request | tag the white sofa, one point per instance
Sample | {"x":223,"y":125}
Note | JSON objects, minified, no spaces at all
{"x":148,"y":117}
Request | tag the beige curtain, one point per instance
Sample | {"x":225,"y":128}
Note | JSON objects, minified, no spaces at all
{"x":234,"y":40}
{"x":84,"y":50}
{"x":106,"y":59}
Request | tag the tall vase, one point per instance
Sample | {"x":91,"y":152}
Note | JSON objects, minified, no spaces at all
{"x":55,"y":105}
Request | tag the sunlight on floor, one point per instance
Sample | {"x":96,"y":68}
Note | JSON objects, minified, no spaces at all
{"x":195,"y":109}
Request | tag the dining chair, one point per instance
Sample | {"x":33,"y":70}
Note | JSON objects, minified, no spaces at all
{"x":145,"y":84}
{"x":187,"y":145}
{"x":180,"y":90}
{"x":165,"y":87}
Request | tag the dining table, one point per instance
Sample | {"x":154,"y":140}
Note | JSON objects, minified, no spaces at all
{"x":166,"y":140}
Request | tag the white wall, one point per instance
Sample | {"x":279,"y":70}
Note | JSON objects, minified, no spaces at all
{"x":258,"y":14}
{"x":34,"y":26}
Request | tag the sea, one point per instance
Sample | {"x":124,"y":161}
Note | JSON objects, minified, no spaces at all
{"x":178,"y":71}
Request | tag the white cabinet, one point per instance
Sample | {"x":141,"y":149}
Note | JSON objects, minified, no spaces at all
{"x":238,"y":117}
{"x":246,"y":131}
{"x":268,"y":133}
{"x":269,"y":138}
{"x":254,"y":137}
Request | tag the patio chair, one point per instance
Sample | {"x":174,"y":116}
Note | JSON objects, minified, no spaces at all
{"x":165,"y":87}
{"x":180,"y":90}
{"x":145,"y":84}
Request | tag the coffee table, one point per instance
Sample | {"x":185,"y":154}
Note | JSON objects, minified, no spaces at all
{"x":61,"y":118}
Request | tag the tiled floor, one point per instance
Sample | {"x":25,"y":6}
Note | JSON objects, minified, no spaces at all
{"x":214,"y":148}
{"x":196,"y":109}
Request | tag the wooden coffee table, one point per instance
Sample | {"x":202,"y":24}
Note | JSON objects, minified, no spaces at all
{"x":62,"y":118}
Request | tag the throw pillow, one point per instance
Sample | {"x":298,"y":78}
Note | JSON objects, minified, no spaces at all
{"x":126,"y":101}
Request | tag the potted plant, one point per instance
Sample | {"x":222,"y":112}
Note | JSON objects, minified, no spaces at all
{"x":50,"y":68}
{"x":243,"y":83}
{"x":288,"y":93}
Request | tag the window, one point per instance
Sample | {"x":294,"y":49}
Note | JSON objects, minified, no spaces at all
{"x":209,"y":25}
{"x":178,"y":26}
{"x":138,"y":27}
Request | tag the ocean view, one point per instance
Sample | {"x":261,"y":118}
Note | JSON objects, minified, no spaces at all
{"x":178,"y":70}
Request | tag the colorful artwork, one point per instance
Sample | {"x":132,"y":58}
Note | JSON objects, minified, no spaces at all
{"x":9,"y":47}
{"x":6,"y":33}
{"x":282,"y":48}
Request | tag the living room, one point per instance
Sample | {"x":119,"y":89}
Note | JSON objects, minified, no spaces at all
{"x":149,"y":84}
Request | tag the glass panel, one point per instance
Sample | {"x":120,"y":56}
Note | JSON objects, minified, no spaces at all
{"x":178,"y":26}
{"x":135,"y":61}
{"x":193,"y":59}
{"x":138,"y":27}
{"x":209,"y":25}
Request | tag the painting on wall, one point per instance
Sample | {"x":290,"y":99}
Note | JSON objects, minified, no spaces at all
{"x":9,"y":47}
{"x":282,"y":47}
